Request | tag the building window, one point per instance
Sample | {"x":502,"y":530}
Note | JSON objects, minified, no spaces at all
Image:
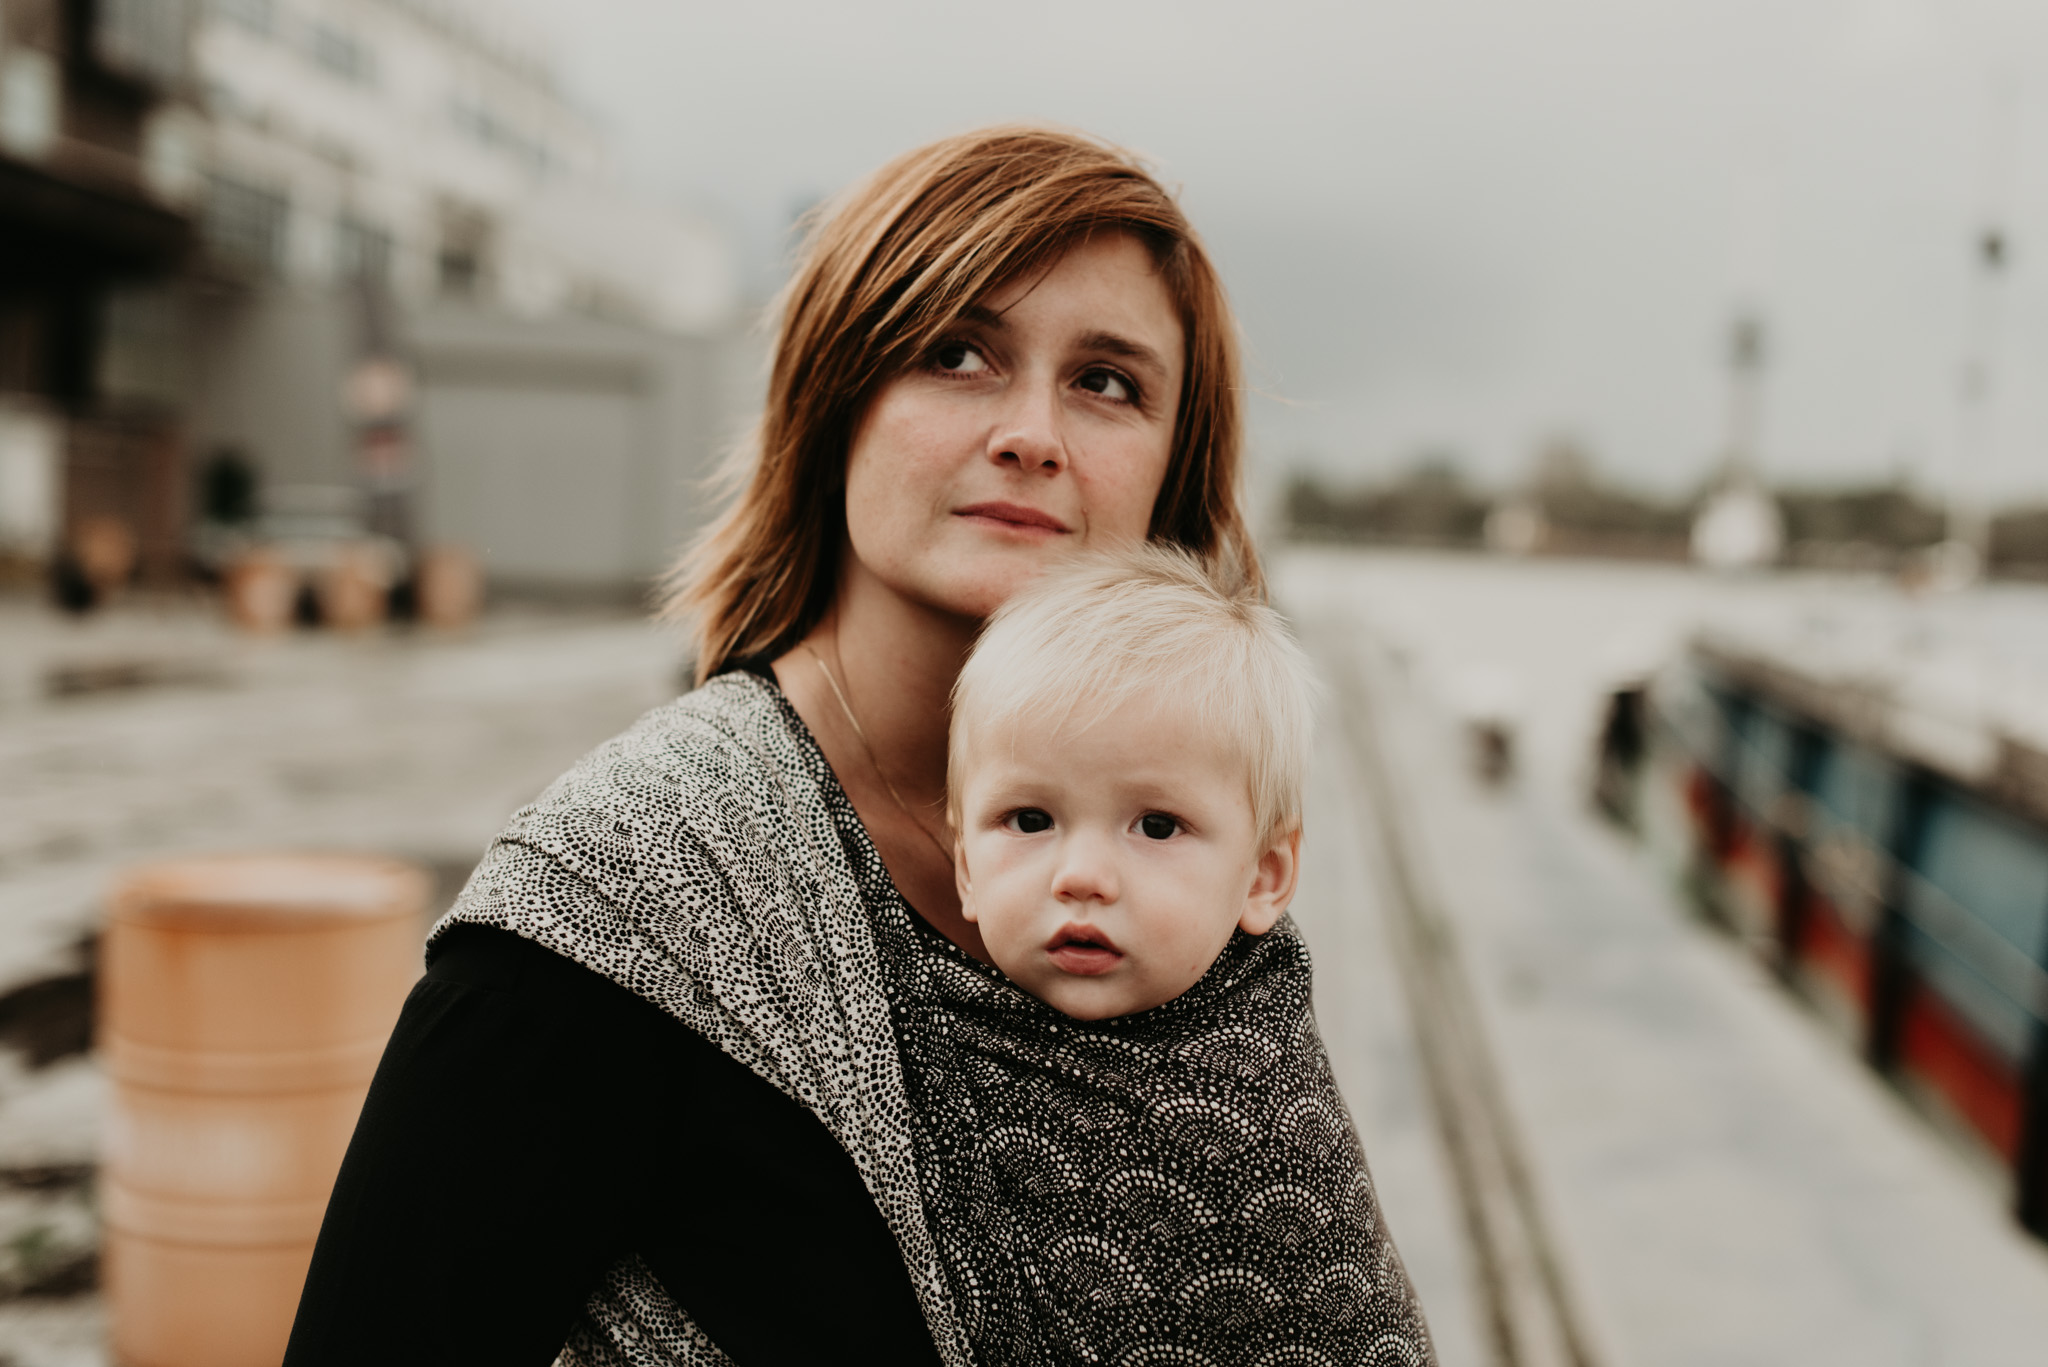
{"x":362,"y":253}
{"x":140,"y":356}
{"x":465,"y":256}
{"x":172,"y":165}
{"x":257,"y":16}
{"x":29,"y":102}
{"x":150,"y":40}
{"x":462,"y":270}
{"x":498,"y":135}
{"x":245,"y":224}
{"x":341,"y":53}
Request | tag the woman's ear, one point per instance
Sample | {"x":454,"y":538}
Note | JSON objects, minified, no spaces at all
{"x":961,"y":882}
{"x":1273,"y":884}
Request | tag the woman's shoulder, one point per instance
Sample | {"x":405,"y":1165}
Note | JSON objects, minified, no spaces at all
{"x":680,"y":781}
{"x":731,"y":740}
{"x":680,"y":804}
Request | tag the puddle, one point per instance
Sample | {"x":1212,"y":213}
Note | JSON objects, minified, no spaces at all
{"x":49,"y":1232}
{"x":85,"y":677}
{"x":50,"y":1019}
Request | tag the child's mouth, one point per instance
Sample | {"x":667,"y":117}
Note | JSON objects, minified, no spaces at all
{"x":1083,"y":950}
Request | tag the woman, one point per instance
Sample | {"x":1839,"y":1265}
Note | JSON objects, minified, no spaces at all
{"x":680,"y":1061}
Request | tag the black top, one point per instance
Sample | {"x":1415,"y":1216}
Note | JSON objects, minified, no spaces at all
{"x":511,"y":1151}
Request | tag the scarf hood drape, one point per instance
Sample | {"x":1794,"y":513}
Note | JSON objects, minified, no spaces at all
{"x":1182,"y":1186}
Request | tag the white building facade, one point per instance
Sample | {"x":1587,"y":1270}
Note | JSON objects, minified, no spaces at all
{"x":416,"y":141}
{"x":404,"y":179}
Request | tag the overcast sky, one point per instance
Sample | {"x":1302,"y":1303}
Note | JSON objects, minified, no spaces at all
{"x":1459,"y":225}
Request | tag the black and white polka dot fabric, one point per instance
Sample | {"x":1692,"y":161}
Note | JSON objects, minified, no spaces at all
{"x":1178,"y":1187}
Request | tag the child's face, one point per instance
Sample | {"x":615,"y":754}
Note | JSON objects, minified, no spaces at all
{"x":1108,"y":863}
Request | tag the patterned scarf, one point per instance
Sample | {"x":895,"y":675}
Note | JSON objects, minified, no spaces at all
{"x":1181,"y":1186}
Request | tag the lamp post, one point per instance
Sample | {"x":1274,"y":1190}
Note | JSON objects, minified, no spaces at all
{"x":1739,"y":527}
{"x":1967,"y":547}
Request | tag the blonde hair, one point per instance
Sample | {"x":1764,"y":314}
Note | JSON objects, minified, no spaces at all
{"x":1148,"y":622}
{"x":885,"y":272}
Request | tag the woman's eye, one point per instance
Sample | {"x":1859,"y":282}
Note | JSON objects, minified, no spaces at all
{"x":1110,"y":385}
{"x":1030,"y":821}
{"x":958,"y":358}
{"x":1158,"y":826}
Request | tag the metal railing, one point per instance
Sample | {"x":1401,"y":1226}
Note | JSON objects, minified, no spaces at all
{"x":1925,"y":905}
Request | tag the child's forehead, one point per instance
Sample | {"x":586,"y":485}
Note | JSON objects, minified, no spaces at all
{"x":1172,"y":728}
{"x":1149,"y":706}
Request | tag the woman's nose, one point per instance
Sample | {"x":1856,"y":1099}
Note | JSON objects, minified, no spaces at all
{"x":1027,"y":434}
{"x":1086,"y":871}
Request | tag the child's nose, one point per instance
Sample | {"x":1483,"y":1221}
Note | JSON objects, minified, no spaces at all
{"x":1087,"y":870}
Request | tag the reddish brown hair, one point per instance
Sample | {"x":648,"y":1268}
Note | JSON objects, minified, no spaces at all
{"x":886,"y":270}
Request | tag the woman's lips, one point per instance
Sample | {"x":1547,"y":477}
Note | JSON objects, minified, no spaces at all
{"x":1083,"y":950}
{"x":1012,"y":517}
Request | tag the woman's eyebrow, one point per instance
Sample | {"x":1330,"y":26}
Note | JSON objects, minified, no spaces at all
{"x":1124,"y":348}
{"x":1107,"y":343}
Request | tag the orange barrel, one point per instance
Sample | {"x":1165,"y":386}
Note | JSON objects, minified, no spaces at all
{"x":262,"y":590}
{"x":450,"y":585}
{"x":244,"y":1002}
{"x":107,"y":552}
{"x":354,"y":589}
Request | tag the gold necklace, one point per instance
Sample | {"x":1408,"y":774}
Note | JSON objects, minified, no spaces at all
{"x":860,"y":734}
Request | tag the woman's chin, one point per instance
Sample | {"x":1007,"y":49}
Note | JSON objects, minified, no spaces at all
{"x":976,"y":585}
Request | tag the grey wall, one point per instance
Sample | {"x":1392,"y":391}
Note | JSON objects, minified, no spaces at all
{"x":266,"y":375}
{"x":571,"y":454}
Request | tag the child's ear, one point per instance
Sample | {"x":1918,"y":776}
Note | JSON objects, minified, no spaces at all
{"x":1273,"y":884}
{"x":961,"y":883}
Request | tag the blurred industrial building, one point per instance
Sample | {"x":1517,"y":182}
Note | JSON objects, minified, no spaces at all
{"x":330,"y":272}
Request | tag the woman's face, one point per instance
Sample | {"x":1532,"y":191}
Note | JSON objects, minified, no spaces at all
{"x":1040,"y":427}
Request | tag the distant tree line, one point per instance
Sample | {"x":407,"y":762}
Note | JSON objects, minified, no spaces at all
{"x":1565,"y":507}
{"x":1430,"y":504}
{"x":2019,"y":542}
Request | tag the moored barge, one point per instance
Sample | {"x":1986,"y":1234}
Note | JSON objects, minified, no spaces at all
{"x":1866,"y":804}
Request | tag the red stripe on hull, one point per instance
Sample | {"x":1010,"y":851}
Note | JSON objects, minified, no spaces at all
{"x":1937,"y":1047}
{"x":1753,"y":879}
{"x":1833,"y":951}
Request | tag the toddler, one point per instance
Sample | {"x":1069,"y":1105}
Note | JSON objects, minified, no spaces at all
{"x":1126,"y":766}
{"x":1140,"y":1157}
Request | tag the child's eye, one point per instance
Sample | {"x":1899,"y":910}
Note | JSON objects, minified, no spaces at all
{"x":1030,"y":821}
{"x":1158,"y":825}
